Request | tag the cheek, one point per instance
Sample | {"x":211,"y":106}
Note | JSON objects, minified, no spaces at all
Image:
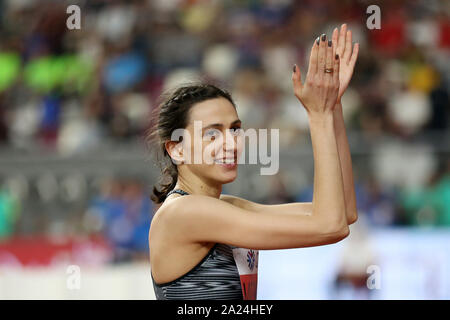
{"x":239,"y":145}
{"x":210,"y":149}
{"x":215,"y":148}
{"x":199,"y":151}
{"x":204,"y":152}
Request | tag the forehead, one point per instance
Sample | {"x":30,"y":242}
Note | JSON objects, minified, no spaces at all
{"x":216,"y":110}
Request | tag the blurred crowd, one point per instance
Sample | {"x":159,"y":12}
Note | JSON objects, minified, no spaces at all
{"x":68,"y":91}
{"x":122,"y":212}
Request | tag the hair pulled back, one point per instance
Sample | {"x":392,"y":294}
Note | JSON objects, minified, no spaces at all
{"x":173,"y":113}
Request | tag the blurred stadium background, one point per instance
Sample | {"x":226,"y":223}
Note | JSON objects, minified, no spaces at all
{"x":76,"y":173}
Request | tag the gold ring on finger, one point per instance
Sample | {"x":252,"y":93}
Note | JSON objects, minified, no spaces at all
{"x":328,"y":70}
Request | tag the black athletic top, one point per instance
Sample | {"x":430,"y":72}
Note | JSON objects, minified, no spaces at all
{"x":226,"y":272}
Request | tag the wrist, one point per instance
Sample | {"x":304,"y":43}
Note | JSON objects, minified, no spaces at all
{"x":320,"y":117}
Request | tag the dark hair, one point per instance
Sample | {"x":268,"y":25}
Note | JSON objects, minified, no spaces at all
{"x":171,"y":114}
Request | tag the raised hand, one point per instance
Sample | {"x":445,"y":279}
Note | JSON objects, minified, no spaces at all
{"x":343,"y":39}
{"x":320,"y":91}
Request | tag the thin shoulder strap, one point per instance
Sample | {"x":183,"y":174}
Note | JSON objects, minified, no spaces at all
{"x":179,"y":191}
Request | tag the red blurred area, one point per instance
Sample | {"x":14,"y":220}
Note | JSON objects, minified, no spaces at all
{"x":44,"y":251}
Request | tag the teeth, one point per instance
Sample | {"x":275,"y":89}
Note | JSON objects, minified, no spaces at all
{"x":227,"y":161}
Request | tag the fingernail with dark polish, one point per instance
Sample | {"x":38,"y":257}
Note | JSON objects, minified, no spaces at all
{"x":336,"y":56}
{"x":294,"y":68}
{"x":317,"y":40}
{"x":329,"y":43}
{"x":324,"y":37}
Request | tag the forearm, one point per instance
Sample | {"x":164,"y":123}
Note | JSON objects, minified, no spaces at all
{"x":328,"y":197}
{"x":345,"y":163}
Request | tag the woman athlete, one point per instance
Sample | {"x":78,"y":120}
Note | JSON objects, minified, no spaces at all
{"x":203,"y":244}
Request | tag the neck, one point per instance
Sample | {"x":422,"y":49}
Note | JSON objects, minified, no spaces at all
{"x":196,"y":185}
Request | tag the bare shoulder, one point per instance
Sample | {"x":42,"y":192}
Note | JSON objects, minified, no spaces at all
{"x":162,"y":220}
{"x":182,"y":216}
{"x":169,"y":222}
{"x":179,"y":209}
{"x":195,"y":202}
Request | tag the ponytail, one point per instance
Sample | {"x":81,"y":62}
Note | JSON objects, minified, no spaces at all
{"x":169,"y":172}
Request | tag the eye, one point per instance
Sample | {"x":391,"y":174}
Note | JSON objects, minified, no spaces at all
{"x":212,"y":134}
{"x":236,"y":131}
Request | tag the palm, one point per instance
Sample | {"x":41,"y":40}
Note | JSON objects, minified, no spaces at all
{"x":343,"y":38}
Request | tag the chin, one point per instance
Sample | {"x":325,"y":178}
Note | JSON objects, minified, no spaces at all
{"x":227,"y":177}
{"x":225,"y":181}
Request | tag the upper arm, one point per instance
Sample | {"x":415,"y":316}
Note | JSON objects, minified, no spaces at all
{"x":304,"y":208}
{"x":196,"y":218}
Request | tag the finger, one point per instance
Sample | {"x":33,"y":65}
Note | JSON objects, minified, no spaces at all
{"x":313,"y":59}
{"x":335,"y":39}
{"x":329,"y":60}
{"x":336,"y":65}
{"x":341,"y":41}
{"x":348,"y":47}
{"x":322,"y":56}
{"x":297,"y":79}
{"x":354,"y":55}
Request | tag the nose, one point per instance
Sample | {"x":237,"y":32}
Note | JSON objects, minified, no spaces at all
{"x":229,"y":144}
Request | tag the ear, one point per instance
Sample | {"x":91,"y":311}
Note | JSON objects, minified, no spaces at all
{"x":175,"y":151}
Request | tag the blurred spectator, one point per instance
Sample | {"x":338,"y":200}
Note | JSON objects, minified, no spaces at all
{"x":123,"y":213}
{"x":430,"y":205}
{"x":9,"y":210}
{"x":377,"y":204}
{"x":352,"y":279}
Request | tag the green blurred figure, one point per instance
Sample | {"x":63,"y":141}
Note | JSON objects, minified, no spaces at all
{"x":9,"y":211}
{"x":431,"y":205}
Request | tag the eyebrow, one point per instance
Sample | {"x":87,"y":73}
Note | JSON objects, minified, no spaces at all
{"x":220,"y":125}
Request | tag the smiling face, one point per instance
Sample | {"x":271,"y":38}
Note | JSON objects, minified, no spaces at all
{"x":215,"y":135}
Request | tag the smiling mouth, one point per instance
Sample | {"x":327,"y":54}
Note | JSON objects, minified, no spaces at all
{"x":225,"y":161}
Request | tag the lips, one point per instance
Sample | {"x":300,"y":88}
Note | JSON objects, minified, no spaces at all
{"x":225,"y":161}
